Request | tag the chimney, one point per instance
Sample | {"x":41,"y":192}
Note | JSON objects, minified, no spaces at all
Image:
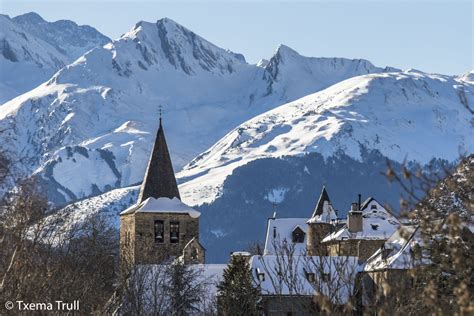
{"x":360,"y":200}
{"x":354,"y":219}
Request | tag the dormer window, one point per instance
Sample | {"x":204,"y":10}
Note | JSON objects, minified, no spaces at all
{"x":260,"y":274}
{"x":174,"y":232}
{"x":310,"y":276}
{"x":298,"y":235}
{"x":326,"y":277}
{"x":159,"y":231}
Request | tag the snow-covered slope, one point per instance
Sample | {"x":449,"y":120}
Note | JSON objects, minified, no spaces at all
{"x":341,"y":137}
{"x":99,"y":114}
{"x":25,"y":60}
{"x":407,"y":115}
{"x":66,"y":36}
{"x":32,"y":50}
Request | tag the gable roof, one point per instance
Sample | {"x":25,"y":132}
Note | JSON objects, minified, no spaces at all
{"x":159,"y":180}
{"x":298,"y":229}
{"x":194,"y":240}
{"x":280,"y":229}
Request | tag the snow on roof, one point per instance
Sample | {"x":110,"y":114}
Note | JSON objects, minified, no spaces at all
{"x":162,"y":205}
{"x":328,"y":214}
{"x":398,"y":251}
{"x":280,"y":229}
{"x":377,"y":223}
{"x":305,"y":275}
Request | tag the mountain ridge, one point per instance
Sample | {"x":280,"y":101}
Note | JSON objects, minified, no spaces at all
{"x":32,"y":50}
{"x":101,"y":111}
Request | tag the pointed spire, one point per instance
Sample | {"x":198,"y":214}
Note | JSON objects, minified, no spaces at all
{"x":324,"y":197}
{"x":159,"y":178}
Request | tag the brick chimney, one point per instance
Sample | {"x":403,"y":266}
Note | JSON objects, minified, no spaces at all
{"x":354,"y":219}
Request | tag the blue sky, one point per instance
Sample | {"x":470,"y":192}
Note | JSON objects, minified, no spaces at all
{"x":433,"y":36}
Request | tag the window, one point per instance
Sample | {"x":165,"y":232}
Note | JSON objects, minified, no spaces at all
{"x":159,"y":231}
{"x":309,"y":275}
{"x":194,"y":253}
{"x":326,"y":277}
{"x":174,"y":232}
{"x":298,"y":235}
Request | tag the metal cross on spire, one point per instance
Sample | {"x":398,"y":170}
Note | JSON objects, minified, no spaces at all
{"x":160,"y":111}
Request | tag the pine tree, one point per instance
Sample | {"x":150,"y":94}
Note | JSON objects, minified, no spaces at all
{"x":237,"y":293}
{"x":184,"y":288}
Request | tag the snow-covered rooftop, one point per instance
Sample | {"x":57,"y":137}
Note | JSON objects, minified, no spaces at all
{"x":328,"y":214}
{"x":397,"y":252}
{"x":377,"y":223}
{"x":281,"y":229}
{"x":306,"y":275}
{"x":162,"y":205}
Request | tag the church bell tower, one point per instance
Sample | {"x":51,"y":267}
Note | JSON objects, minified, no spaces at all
{"x":160,"y":228}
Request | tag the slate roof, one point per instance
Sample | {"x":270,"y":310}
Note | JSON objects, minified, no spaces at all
{"x":159,"y":180}
{"x":324,"y":197}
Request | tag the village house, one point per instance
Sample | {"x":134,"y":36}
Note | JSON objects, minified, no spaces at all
{"x":368,"y":226}
{"x":304,"y":257}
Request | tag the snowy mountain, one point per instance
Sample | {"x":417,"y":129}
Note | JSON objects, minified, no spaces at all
{"x":32,"y":50}
{"x":90,"y":128}
{"x":25,"y":61}
{"x":66,"y":36}
{"x":408,"y":115}
{"x":341,"y":137}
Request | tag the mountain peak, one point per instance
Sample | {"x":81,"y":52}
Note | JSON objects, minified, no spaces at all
{"x":182,"y":48}
{"x":31,"y":17}
{"x":283,"y":49}
{"x":468,"y":76}
{"x":69,"y":39}
{"x":167,"y":20}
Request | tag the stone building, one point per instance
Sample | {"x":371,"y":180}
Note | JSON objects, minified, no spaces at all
{"x":160,"y":227}
{"x":368,"y":227}
{"x":322,"y":223}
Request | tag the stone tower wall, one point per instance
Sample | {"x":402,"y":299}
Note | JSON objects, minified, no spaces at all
{"x":127,"y":238}
{"x":361,"y":248}
{"x":144,"y":249}
{"x":316,"y":233}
